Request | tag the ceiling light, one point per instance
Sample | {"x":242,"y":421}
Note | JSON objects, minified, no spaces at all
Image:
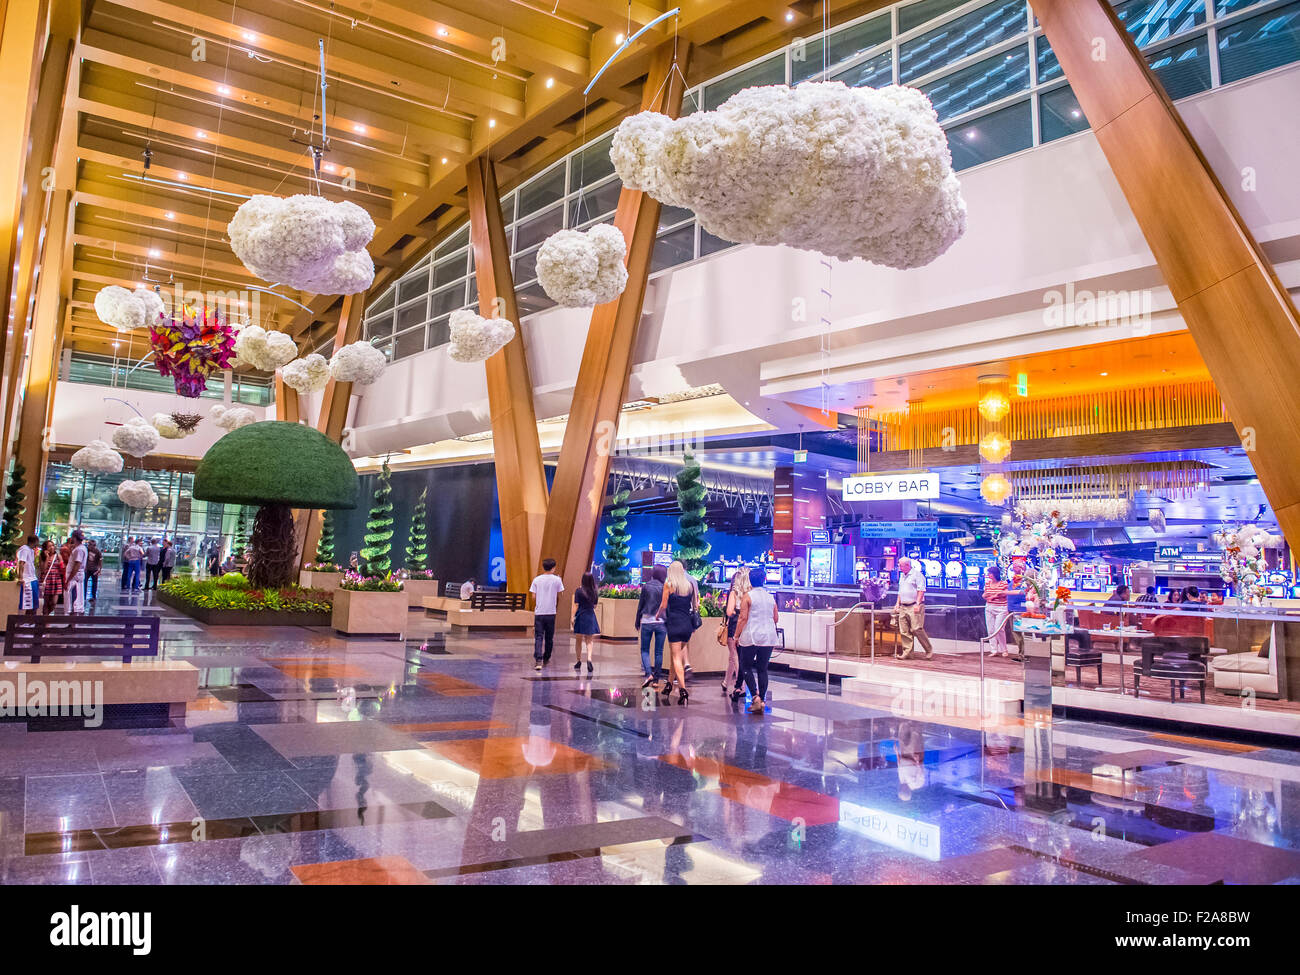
{"x":358,"y":128}
{"x":550,"y":82}
{"x":201,"y":134}
{"x":789,"y":16}
{"x":223,"y":90}
{"x":994,"y":405}
{"x":970,"y":134}
{"x":250,"y":36}
{"x":444,"y":160}
{"x":155,"y":252}
{"x":492,"y":123}
{"x":1105,"y":374}
{"x":442,"y":31}
{"x":618,"y":39}
{"x":1075,"y":113}
{"x":169,"y":215}
{"x":182,"y":176}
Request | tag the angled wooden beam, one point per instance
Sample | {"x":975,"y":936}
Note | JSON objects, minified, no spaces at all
{"x":1238,"y":313}
{"x":583,"y":468}
{"x":521,"y":478}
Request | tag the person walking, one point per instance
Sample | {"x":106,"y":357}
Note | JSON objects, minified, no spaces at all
{"x":585,"y":624}
{"x":132,"y":560}
{"x":29,"y":597}
{"x":94,"y":562}
{"x":546,"y":588}
{"x":51,"y":576}
{"x":678,"y":607}
{"x":911,"y":610}
{"x":995,"y":610}
{"x":650,"y":624}
{"x":731,"y":682}
{"x":168,"y":559}
{"x":755,"y":638}
{"x":153,"y":557}
{"x":74,"y":576}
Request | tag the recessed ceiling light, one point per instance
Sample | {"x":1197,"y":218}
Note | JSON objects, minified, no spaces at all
{"x":492,"y":123}
{"x":550,"y":82}
{"x":182,"y":176}
{"x":155,"y":252}
{"x":223,"y":90}
{"x":1105,"y":374}
{"x":201,"y":134}
{"x":970,"y":134}
{"x":442,"y":31}
{"x":358,"y":128}
{"x":618,"y":39}
{"x":444,"y":160}
{"x":789,"y":15}
{"x":169,"y":215}
{"x":1075,"y":113}
{"x":250,"y":36}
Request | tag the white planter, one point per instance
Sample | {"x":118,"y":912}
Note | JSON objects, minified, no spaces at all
{"x":417,"y":589}
{"x":617,"y":618}
{"x":329,"y":581}
{"x":371,"y":613}
{"x":10,"y":593}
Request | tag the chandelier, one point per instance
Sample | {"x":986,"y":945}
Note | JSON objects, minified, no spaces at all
{"x":1073,"y":509}
{"x":994,"y":447}
{"x":994,"y":405}
{"x":995,"y":488}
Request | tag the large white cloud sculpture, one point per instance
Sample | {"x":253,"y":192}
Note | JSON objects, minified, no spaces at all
{"x":308,"y":374}
{"x":583,"y":268}
{"x":849,"y":172}
{"x":232,"y":417}
{"x":475,"y":338}
{"x":137,"y":494}
{"x":307,"y":242}
{"x":128,"y":310}
{"x":136,"y":437}
{"x":360,"y":363}
{"x":264,"y":350}
{"x":97,"y":457}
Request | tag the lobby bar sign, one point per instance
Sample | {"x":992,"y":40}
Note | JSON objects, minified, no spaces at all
{"x":916,"y":486}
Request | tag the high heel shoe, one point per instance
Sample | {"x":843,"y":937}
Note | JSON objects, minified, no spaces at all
{"x":578,"y":665}
{"x":647,"y":682}
{"x":737,"y":695}
{"x":591,"y":668}
{"x":683,"y":696}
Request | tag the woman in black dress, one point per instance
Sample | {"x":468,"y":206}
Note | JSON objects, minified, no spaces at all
{"x":585,"y":626}
{"x":681,"y":600}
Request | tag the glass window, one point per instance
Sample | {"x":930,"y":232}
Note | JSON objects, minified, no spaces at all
{"x":508,"y":209}
{"x":874,"y":72}
{"x":380,"y":326}
{"x":448,"y":299}
{"x":770,"y":71}
{"x":448,"y":270}
{"x":472,"y":288}
{"x":1183,"y":69}
{"x":967,"y":35}
{"x":536,"y":229}
{"x":1048,"y":67}
{"x":981,"y":83}
{"x":1150,"y":21}
{"x":526,"y":266}
{"x":542,"y":191}
{"x":455,"y":242}
{"x":411,"y":315}
{"x":532,"y":299}
{"x":673,"y":249}
{"x":1223,"y":8}
{"x":710,"y":244}
{"x":386,"y":347}
{"x":439,"y":333}
{"x":672,"y":216}
{"x":1259,"y":43}
{"x":594,"y":202}
{"x":916,"y":14}
{"x":991,"y":136}
{"x":409,"y":343}
{"x":1059,"y":114}
{"x":806,"y":60}
{"x":592,"y":164}
{"x":384,"y":303}
{"x":413,"y":285}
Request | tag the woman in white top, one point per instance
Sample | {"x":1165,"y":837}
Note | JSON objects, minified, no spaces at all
{"x":739,"y":586}
{"x":755,"y":638}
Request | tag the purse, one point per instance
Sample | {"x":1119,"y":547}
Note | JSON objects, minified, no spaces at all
{"x":722,"y":633}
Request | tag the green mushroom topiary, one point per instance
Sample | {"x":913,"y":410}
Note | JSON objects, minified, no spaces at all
{"x":277,"y":466}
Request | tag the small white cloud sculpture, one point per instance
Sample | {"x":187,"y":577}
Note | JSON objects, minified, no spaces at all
{"x":136,"y":437}
{"x":137,"y":494}
{"x":359,"y":363}
{"x":306,"y":242}
{"x":849,"y":172}
{"x":232,"y":417}
{"x":97,"y":457}
{"x":475,"y":338}
{"x":264,"y":350}
{"x":128,"y":310}
{"x":308,"y":374}
{"x":168,"y":428}
{"x":580,"y":269}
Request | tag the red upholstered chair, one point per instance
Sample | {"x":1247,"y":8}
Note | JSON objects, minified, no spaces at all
{"x":1183,"y":624}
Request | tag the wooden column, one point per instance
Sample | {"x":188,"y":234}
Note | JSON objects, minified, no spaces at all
{"x":287,"y":407}
{"x":517,"y":452}
{"x":1238,"y":313}
{"x":579,"y":483}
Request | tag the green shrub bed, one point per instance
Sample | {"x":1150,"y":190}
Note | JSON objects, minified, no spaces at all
{"x":232,"y":591}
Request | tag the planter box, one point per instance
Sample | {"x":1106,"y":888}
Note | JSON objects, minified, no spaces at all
{"x":417,"y":589}
{"x":243,"y":617}
{"x":329,"y":581}
{"x":370,"y":613}
{"x":704,"y":652}
{"x":10,"y":592}
{"x":617,"y":618}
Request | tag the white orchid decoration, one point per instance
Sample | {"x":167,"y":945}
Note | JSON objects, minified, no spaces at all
{"x":475,"y":338}
{"x":97,"y":457}
{"x":849,"y":172}
{"x":306,"y":242}
{"x":360,"y":363}
{"x":137,"y":494}
{"x":1242,"y":564}
{"x":232,"y":417}
{"x":136,"y":437}
{"x":579,"y":269}
{"x":308,"y":374}
{"x":127,"y":310}
{"x":264,"y":350}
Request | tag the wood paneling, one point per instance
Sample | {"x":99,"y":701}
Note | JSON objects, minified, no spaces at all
{"x":1242,"y":320}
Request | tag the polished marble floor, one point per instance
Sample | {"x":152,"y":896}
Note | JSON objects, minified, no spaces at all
{"x":314,"y":759}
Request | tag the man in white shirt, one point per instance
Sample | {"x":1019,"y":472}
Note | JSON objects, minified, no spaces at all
{"x":467,"y":589}
{"x":546,"y":588}
{"x":30,"y":592}
{"x":911,"y":609}
{"x":74,"y":586}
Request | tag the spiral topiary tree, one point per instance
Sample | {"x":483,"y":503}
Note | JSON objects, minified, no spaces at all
{"x":240,"y":541}
{"x":277,"y":466}
{"x":417,"y":547}
{"x":11,"y":536}
{"x":375,"y":554}
{"x":325,"y":543}
{"x":616,"y":539}
{"x":691,"y":548}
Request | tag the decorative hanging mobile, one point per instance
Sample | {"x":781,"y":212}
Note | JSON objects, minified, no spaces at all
{"x":191,"y":348}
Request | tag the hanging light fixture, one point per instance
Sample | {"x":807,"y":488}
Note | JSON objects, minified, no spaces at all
{"x":995,"y":488}
{"x":994,"y":447}
{"x":994,"y":405}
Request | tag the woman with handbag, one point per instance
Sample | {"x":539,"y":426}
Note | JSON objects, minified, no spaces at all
{"x":755,"y":638}
{"x":51,"y":577}
{"x":731,"y":682}
{"x":585,"y":624}
{"x":679,"y":611}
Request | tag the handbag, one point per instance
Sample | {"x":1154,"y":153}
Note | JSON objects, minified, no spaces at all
{"x":722,"y":633}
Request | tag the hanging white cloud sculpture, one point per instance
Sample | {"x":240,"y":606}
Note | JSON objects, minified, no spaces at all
{"x":232,"y":417}
{"x":849,"y":172}
{"x":359,"y":363}
{"x":264,"y":350}
{"x":137,"y":494}
{"x":136,"y":437}
{"x":307,"y":242}
{"x":475,"y":338}
{"x":97,"y":457}
{"x":168,"y":428}
{"x":127,"y":310}
{"x":308,"y":374}
{"x":579,"y":269}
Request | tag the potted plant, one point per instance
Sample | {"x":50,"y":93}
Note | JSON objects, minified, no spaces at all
{"x":370,"y":605}
{"x":324,"y":573}
{"x":616,"y":611}
{"x":418,"y":579}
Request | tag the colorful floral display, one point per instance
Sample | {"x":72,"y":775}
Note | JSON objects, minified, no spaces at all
{"x":354,"y":581}
{"x":190,"y":349}
{"x":1242,"y":564}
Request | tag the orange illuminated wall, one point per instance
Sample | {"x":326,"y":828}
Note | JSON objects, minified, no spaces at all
{"x":783,"y":512}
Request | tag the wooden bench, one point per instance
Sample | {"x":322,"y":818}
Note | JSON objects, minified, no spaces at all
{"x":444,"y":604}
{"x":491,"y":609}
{"x":139,"y":688}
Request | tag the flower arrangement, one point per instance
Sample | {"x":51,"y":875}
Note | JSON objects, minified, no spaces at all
{"x":322,"y":567}
{"x":189,"y":349}
{"x":713,"y":604}
{"x":475,"y":338}
{"x":583,"y":268}
{"x":8,"y":571}
{"x":354,"y":581}
{"x":136,"y":437}
{"x":232,"y":417}
{"x":359,"y":363}
{"x":233,"y":591}
{"x":1062,"y":597}
{"x":623,"y":590}
{"x":1242,"y":563}
{"x":267,"y":351}
{"x":137,"y":494}
{"x":306,"y":242}
{"x":98,"y":457}
{"x":308,"y":374}
{"x":128,"y":310}
{"x":849,"y":172}
{"x":415,"y":574}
